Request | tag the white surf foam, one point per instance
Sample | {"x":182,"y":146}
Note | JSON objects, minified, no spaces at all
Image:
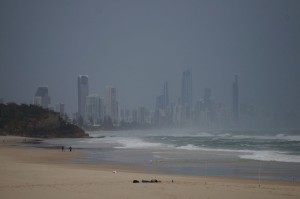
{"x":261,"y":137}
{"x":136,"y":143}
{"x":192,"y":147}
{"x":189,"y":147}
{"x":271,"y":156}
{"x":250,"y":154}
{"x":288,"y":137}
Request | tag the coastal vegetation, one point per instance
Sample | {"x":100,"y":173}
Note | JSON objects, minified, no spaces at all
{"x":35,"y":121}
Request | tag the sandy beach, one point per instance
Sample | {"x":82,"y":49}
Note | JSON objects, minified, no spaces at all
{"x":47,"y":173}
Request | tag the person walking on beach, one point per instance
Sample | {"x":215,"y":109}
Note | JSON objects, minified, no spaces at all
{"x":62,"y":148}
{"x":70,"y":148}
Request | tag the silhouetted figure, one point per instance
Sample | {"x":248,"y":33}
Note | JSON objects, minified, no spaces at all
{"x":62,"y":148}
{"x":70,"y":148}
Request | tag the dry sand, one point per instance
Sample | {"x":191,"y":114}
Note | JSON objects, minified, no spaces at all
{"x":30,"y":173}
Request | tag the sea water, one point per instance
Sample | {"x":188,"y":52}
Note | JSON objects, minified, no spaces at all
{"x":271,"y":155}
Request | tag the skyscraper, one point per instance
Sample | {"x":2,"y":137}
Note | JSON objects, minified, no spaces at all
{"x":162,"y":101}
{"x":207,"y":99}
{"x":186,"y":89}
{"x":142,"y":115}
{"x":235,"y":100}
{"x":111,"y":104}
{"x":186,"y":100}
{"x":94,"y":109}
{"x":83,"y":92}
{"x":41,"y":97}
{"x":166,"y":95}
{"x":60,"y":108}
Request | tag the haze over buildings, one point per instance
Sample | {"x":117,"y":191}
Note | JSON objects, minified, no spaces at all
{"x":83,"y":92}
{"x":235,"y":99}
{"x":111,"y":104}
{"x":94,"y":111}
{"x":42,"y":97}
{"x":137,"y":46}
{"x":162,"y":101}
{"x":187,"y":89}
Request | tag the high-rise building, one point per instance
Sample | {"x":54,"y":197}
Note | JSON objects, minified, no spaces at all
{"x":94,"y":110}
{"x":142,"y":115}
{"x":41,"y":97}
{"x":166,"y":95}
{"x":207,"y":99}
{"x":111,"y":104}
{"x":159,"y":102}
{"x":186,"y":89}
{"x":186,"y":97}
{"x":162,"y":101}
{"x":37,"y":100}
{"x":127,"y":115}
{"x":83,"y":92}
{"x":235,"y":100}
{"x":60,"y":108}
{"x":134,"y":116}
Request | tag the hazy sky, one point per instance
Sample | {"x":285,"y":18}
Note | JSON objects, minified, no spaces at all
{"x":136,"y":45}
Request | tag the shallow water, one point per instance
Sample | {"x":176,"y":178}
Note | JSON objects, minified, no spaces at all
{"x":271,"y":155}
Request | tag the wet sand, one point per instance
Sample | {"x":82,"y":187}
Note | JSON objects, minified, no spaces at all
{"x":48,"y":173}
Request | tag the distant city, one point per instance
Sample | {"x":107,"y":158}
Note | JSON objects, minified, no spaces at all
{"x":95,"y":111}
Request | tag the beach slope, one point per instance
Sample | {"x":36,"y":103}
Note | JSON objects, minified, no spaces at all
{"x":31,"y":173}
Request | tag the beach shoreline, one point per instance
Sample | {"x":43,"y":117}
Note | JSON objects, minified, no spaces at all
{"x":28,"y":172}
{"x":158,"y":152}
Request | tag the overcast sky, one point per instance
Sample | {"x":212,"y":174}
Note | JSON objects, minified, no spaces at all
{"x":136,"y":45}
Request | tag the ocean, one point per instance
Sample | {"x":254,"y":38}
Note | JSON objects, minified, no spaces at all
{"x":259,"y":154}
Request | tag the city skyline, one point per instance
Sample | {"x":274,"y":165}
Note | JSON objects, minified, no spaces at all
{"x":206,"y":112}
{"x":137,"y":46}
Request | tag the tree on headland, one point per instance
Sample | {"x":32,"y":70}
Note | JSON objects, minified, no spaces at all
{"x":35,"y":121}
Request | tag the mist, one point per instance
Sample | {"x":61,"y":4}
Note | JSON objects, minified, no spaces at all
{"x":136,"y":46}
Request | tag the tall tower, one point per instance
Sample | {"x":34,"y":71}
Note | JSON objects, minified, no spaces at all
{"x":207,"y":99}
{"x":162,"y":101}
{"x":41,"y":97}
{"x":166,"y":95}
{"x":186,"y":89}
{"x":94,"y":109}
{"x":111,"y":104}
{"x":83,"y":92}
{"x":235,"y":100}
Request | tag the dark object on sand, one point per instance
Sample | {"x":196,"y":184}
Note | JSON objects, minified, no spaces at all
{"x":135,"y":181}
{"x":70,"y":148}
{"x":151,"y":181}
